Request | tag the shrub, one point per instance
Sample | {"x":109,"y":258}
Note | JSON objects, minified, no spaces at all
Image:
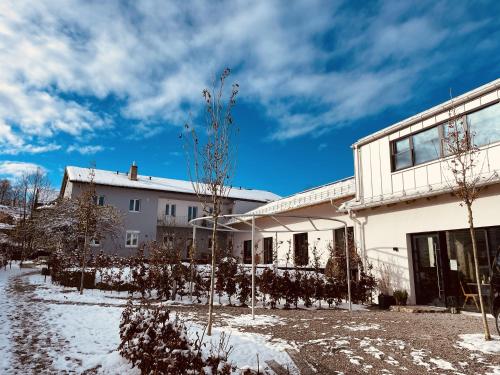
{"x":245,"y":286}
{"x":401,"y":296}
{"x":156,"y":344}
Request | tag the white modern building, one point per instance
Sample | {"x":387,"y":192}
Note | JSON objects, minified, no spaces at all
{"x":405,"y":219}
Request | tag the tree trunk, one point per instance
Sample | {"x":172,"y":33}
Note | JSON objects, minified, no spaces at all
{"x":84,"y":259}
{"x":212,"y":280}
{"x":487,"y":335}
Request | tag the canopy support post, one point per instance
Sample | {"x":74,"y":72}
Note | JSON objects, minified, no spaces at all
{"x":253,"y":267}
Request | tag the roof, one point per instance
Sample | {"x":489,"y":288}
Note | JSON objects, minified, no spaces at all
{"x":482,"y":90}
{"x":324,"y":193}
{"x":119,"y":179}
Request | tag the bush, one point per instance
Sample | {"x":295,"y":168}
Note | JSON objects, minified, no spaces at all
{"x":401,"y":296}
{"x":156,"y":344}
{"x":70,"y":278}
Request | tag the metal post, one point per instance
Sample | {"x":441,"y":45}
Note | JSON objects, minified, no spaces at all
{"x":348,"y":268}
{"x":253,"y":268}
{"x":193,"y":249}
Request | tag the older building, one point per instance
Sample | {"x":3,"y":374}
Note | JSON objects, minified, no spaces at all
{"x":153,"y":208}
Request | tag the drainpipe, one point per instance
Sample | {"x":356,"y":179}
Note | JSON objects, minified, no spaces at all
{"x":361,"y":236}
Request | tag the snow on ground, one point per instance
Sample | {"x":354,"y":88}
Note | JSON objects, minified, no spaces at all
{"x":476,"y":342}
{"x":245,"y":320}
{"x":5,"y":311}
{"x":249,"y":350}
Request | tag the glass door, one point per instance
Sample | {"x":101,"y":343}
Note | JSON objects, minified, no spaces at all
{"x":429,"y":283}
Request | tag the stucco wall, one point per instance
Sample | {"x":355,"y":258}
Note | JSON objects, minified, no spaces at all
{"x":389,"y":227}
{"x":320,"y":239}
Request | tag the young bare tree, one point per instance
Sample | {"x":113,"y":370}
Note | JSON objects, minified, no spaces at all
{"x":211,"y":160}
{"x":466,"y":168}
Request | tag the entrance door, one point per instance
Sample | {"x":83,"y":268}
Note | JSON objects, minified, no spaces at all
{"x":429,"y":285}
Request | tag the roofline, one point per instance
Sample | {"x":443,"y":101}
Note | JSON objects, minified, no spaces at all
{"x":166,"y":191}
{"x":459,"y":100}
{"x":314,"y":188}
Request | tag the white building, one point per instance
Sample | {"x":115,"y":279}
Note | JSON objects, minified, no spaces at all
{"x":400,"y":204}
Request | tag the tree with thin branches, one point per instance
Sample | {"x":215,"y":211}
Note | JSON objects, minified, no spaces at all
{"x":466,"y":167}
{"x":210,"y":152}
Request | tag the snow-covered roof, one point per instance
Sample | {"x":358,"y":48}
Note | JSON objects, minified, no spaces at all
{"x":332,"y":191}
{"x":119,"y":179}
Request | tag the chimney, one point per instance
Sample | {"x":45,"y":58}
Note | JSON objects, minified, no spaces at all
{"x":133,"y":172}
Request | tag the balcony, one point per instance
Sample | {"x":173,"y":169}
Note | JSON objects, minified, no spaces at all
{"x":176,"y":221}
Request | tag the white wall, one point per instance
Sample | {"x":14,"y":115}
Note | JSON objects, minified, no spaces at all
{"x":375,"y":180}
{"x":285,"y":240}
{"x":389,"y":227}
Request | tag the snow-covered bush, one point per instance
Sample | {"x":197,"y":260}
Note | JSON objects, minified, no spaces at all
{"x":157,"y":344}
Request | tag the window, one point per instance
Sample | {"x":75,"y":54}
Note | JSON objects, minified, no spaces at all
{"x":134,"y":205}
{"x":426,"y":146}
{"x":339,"y":239}
{"x":170,"y":210}
{"x":192,"y":212}
{"x":301,"y":249}
{"x":99,"y":200}
{"x":401,"y":154}
{"x":132,"y":238}
{"x":247,"y":252}
{"x":484,"y":125}
{"x":95,"y":242}
{"x":268,"y":250}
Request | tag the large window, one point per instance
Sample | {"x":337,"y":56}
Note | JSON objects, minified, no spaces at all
{"x":482,"y":127}
{"x":401,"y":153}
{"x":426,"y":146}
{"x":134,"y":205}
{"x":268,"y":250}
{"x":301,"y":249}
{"x":247,"y":252}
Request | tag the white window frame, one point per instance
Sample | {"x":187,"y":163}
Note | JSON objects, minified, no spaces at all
{"x":191,"y":212}
{"x":134,"y":234}
{"x":95,"y":243}
{"x":136,"y":205}
{"x":170,"y":209}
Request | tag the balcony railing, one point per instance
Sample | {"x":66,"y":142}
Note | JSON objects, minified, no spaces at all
{"x":174,"y":221}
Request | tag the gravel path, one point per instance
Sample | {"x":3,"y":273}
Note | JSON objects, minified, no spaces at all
{"x":375,"y":342}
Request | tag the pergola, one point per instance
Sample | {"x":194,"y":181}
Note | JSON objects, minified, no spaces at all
{"x":225,"y":223}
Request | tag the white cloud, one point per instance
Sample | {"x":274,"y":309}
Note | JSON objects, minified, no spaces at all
{"x":310,"y":65}
{"x":85,"y":149}
{"x":15,"y":169}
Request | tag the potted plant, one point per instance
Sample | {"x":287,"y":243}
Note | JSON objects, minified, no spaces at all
{"x":385,"y":299}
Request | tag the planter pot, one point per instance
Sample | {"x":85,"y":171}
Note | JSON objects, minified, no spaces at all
{"x":385,"y":301}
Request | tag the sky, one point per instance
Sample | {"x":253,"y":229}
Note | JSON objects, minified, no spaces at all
{"x":112,"y":82}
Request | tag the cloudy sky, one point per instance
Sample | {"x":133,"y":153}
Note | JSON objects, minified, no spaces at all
{"x":114,"y":81}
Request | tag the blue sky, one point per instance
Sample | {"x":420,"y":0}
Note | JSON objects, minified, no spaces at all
{"x":112,"y":82}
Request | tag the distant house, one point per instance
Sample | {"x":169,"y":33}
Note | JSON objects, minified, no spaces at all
{"x":154,"y":208}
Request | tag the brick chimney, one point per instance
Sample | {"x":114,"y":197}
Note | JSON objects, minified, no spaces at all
{"x":133,"y":172}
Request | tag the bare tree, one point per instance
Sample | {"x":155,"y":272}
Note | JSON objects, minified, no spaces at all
{"x":5,"y":192}
{"x":466,"y":168}
{"x":27,"y":192}
{"x":211,"y":160}
{"x":76,"y":222}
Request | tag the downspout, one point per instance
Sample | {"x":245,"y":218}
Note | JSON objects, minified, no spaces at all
{"x":361,"y":236}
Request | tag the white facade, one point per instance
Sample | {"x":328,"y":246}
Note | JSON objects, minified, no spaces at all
{"x":394,"y":204}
